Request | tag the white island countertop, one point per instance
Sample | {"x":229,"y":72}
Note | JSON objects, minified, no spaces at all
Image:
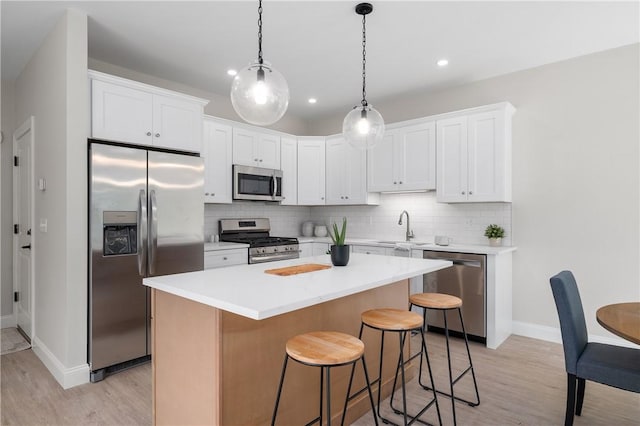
{"x":248,"y":291}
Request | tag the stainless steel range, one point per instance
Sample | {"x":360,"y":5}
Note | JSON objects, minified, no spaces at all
{"x":255,"y":232}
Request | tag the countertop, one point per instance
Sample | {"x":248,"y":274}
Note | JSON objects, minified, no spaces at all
{"x":223,"y":246}
{"x":418,"y":245}
{"x":248,"y":291}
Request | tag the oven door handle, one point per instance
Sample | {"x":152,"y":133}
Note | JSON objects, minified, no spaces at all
{"x":260,"y":259}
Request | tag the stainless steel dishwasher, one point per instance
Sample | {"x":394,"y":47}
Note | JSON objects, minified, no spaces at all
{"x":466,"y":279}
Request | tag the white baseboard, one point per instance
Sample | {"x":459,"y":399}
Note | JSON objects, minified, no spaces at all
{"x":66,"y":377}
{"x":553,"y":334}
{"x":7,"y":321}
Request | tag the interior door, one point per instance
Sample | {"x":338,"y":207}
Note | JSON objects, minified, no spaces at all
{"x":22,"y":197}
{"x":176,"y":213}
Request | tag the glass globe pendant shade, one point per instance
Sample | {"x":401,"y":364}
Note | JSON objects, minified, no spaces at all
{"x":260,"y":94}
{"x":363,"y":127}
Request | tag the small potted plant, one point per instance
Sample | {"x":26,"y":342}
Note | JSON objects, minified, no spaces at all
{"x":494,"y":233}
{"x":339,"y":251}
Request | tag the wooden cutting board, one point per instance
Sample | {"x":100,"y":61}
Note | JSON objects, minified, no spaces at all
{"x":298,"y":269}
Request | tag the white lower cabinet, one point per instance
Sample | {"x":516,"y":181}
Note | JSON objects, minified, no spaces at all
{"x":221,"y":258}
{"x":217,"y":149}
{"x":306,"y":249}
{"x":320,"y":248}
{"x":385,"y":251}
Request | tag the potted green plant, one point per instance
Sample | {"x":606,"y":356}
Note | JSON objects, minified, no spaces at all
{"x":339,"y":250}
{"x":494,"y":233}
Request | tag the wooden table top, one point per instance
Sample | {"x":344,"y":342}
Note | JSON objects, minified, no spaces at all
{"x":622,"y":319}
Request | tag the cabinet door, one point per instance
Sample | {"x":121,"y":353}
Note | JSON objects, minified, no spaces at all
{"x":380,"y":164}
{"x":337,"y":185}
{"x":452,"y":159}
{"x":289,"y":167}
{"x":177,"y":124}
{"x":311,"y":163}
{"x":418,"y":152}
{"x":355,"y":182}
{"x":306,"y":249}
{"x":268,"y":151}
{"x":243,"y":145}
{"x":370,"y":250}
{"x":222,"y":258}
{"x":217,"y":153}
{"x":320,"y":248}
{"x":121,"y":113}
{"x":487,"y":158}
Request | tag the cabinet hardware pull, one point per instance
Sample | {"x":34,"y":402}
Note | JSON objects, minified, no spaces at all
{"x":395,"y":183}
{"x":224,"y":258}
{"x":157,"y":135}
{"x":148,"y":133}
{"x":462,"y":192}
{"x":470,"y":192}
{"x":206,"y":193}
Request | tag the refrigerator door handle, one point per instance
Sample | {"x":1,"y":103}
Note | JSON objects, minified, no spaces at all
{"x":142,"y":231}
{"x":153,"y":238}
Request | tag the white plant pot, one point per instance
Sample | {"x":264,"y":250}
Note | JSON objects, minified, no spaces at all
{"x":495,"y":242}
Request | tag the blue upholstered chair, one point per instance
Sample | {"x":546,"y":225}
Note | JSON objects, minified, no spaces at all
{"x":607,"y":364}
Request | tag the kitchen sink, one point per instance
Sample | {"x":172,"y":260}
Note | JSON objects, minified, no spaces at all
{"x":413,"y":243}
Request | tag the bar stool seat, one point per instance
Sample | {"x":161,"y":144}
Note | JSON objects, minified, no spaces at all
{"x":324,"y":349}
{"x":392,"y":319}
{"x":435,"y":300}
{"x":401,"y":322}
{"x":445,"y":302}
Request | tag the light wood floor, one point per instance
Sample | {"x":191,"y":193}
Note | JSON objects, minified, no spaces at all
{"x":521,"y":383}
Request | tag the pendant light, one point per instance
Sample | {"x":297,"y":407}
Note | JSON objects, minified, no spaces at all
{"x":363,"y":127}
{"x":259,"y":93}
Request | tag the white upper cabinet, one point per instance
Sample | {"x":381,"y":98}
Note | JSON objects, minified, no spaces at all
{"x":346,"y":174}
{"x":127,"y":111}
{"x":405,"y":160}
{"x":257,"y":149}
{"x":289,"y":167}
{"x":217,"y":153}
{"x":474,"y":156}
{"x":311,"y":171}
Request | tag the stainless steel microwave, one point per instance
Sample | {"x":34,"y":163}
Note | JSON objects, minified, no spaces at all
{"x":256,"y":183}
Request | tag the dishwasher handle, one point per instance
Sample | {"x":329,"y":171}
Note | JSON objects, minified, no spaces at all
{"x":470,"y":263}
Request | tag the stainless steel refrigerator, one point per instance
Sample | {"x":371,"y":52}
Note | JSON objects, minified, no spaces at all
{"x":146,"y":219}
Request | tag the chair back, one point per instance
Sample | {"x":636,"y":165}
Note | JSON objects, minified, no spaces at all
{"x":571,"y":315}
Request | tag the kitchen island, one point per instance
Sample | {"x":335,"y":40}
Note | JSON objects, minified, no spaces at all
{"x":218,"y":336}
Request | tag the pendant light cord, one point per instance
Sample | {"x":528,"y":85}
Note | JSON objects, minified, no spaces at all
{"x":364,"y":60}
{"x":260,"y":32}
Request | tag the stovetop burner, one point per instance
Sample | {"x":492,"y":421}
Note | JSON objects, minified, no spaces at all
{"x":262,"y":246}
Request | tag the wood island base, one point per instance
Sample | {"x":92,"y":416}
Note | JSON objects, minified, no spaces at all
{"x":213,"y":367}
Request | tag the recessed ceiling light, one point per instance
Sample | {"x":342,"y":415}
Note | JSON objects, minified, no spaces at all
{"x":443,"y":62}
{"x":312,"y":100}
{"x":232,"y":72}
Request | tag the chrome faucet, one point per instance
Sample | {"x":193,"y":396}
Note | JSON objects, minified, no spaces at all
{"x":409,"y":231}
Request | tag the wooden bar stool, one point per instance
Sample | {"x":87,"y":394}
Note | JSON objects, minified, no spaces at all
{"x":324,"y":349}
{"x":445,"y":302}
{"x":401,"y":322}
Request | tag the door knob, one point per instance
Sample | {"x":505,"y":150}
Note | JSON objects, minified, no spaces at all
{"x":28,"y":246}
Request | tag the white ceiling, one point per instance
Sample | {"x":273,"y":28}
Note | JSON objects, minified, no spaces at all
{"x":317,"y":44}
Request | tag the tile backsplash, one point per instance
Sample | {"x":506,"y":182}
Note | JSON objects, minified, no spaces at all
{"x":463,"y":223}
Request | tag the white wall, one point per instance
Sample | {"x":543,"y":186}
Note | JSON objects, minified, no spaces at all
{"x":219,"y":105}
{"x":6,"y":193}
{"x":576,"y":179}
{"x":53,"y":88}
